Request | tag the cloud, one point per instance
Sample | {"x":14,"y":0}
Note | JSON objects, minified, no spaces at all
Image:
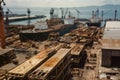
{"x":111,"y":2}
{"x":58,"y":3}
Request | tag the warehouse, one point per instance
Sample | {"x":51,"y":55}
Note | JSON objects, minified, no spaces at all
{"x":111,"y":45}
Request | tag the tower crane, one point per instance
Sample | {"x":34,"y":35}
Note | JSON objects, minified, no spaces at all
{"x":78,"y":12}
{"x":2,"y":33}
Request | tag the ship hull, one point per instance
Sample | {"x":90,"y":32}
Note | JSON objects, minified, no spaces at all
{"x":98,"y":24}
{"x":41,"y":36}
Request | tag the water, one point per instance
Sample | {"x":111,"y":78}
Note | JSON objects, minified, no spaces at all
{"x":25,"y":22}
{"x":85,"y":12}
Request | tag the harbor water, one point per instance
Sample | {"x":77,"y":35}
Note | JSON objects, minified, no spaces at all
{"x":85,"y":12}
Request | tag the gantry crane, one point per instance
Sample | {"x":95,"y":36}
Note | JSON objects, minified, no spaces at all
{"x":2,"y":33}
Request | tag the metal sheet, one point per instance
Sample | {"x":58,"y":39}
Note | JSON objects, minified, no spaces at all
{"x":111,"y":38}
{"x":28,"y":65}
{"x":112,"y":25}
{"x":77,"y":49}
{"x":3,"y":51}
{"x":111,"y":34}
{"x":53,"y":61}
{"x":111,"y":44}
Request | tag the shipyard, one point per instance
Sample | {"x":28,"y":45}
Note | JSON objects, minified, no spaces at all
{"x":61,"y":46}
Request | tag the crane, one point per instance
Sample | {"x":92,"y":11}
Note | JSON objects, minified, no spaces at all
{"x":78,"y":12}
{"x":51,"y":12}
{"x":97,"y":12}
{"x":69,"y":15}
{"x":105,"y":13}
{"x":2,"y":33}
{"x":28,"y":11}
{"x":115,"y":18}
{"x":62,"y":12}
{"x":7,"y":15}
{"x":66,"y":13}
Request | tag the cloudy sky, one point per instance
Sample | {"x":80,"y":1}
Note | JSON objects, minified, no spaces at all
{"x":58,"y":3}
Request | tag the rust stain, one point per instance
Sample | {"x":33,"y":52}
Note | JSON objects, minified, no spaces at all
{"x":42,"y":54}
{"x":51,"y":62}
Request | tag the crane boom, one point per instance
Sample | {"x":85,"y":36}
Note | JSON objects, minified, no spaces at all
{"x":51,"y":12}
{"x":66,"y":13}
{"x":78,"y":12}
{"x":2,"y":33}
{"x":62,"y":12}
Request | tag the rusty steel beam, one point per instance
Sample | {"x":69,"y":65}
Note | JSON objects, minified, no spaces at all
{"x":2,"y":33}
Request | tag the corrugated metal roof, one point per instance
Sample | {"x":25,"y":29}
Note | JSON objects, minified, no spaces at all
{"x":111,"y":38}
{"x":111,"y":44}
{"x":112,"y":34}
{"x":112,"y":25}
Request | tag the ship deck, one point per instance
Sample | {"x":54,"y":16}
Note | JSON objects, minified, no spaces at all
{"x":50,"y":29}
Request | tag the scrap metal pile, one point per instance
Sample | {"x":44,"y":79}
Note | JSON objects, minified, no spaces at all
{"x":76,"y":41}
{"x":82,"y":35}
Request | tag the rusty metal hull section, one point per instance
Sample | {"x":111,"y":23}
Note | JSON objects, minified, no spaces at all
{"x":44,"y":70}
{"x":41,"y":35}
{"x":77,"y":49}
{"x":23,"y":69}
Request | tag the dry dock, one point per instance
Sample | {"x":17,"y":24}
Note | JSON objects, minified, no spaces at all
{"x":72,"y":57}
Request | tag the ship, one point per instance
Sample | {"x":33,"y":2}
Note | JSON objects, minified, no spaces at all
{"x":42,"y":29}
{"x":95,"y":19}
{"x":94,"y":22}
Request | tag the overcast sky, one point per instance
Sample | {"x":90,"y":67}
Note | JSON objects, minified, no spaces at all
{"x":58,"y":3}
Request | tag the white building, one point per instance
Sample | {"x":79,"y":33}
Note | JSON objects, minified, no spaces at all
{"x":111,"y":44}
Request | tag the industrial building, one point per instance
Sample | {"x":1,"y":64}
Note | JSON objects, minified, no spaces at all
{"x":111,"y":44}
